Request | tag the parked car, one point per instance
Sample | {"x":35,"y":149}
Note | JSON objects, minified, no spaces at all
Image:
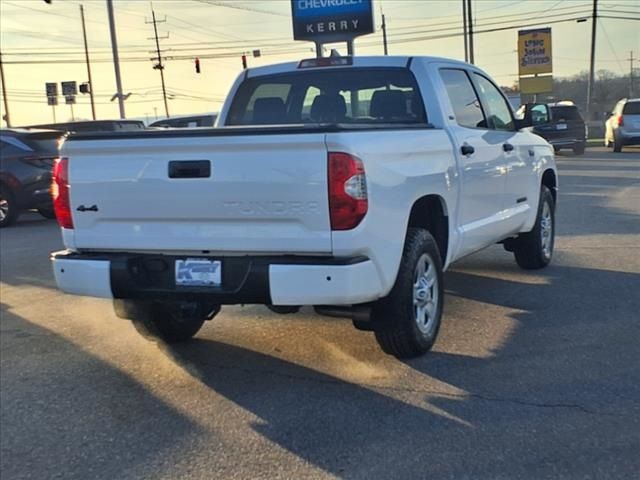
{"x":26,"y":160}
{"x":622,"y":128}
{"x":93,"y":126}
{"x":344,"y":183}
{"x":186,"y":121}
{"x":559,"y":123}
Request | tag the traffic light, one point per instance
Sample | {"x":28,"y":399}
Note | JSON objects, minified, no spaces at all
{"x":84,"y":88}
{"x":244,"y":62}
{"x":47,"y":1}
{"x":197,"y":65}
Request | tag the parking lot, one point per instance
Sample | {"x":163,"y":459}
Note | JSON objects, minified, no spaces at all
{"x":535,"y":374}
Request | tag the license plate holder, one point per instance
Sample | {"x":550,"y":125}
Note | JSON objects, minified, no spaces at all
{"x":198,"y":272}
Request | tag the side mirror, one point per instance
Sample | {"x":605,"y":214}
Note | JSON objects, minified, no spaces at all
{"x":523,"y":123}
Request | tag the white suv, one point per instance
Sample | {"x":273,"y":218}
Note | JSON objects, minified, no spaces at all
{"x":623,"y":125}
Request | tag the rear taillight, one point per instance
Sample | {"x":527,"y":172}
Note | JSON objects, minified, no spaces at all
{"x":620,"y":120}
{"x":60,"y":192}
{"x":348,"y":202}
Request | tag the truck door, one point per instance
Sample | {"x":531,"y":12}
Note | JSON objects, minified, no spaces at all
{"x":480,"y":154}
{"x":521,"y":189}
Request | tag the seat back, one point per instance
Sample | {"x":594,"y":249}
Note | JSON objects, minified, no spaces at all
{"x":389,"y":104}
{"x":328,"y":108}
{"x":269,"y":111}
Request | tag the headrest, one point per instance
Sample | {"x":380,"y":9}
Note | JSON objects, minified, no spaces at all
{"x":328,"y":108}
{"x":269,"y":111}
{"x":388,"y":104}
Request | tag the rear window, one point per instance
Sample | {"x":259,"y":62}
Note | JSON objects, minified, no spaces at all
{"x":338,"y":95}
{"x":631,"y":108}
{"x":566,"y":113}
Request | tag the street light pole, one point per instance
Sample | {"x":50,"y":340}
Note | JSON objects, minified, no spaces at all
{"x":116,"y":59}
{"x":594,"y":22}
{"x":464,"y":30}
{"x":384,"y":35}
{"x":86,"y":54}
{"x":470,"y":26}
{"x":7,"y":118}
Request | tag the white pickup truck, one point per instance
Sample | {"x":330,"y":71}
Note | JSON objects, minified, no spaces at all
{"x":345,"y":183}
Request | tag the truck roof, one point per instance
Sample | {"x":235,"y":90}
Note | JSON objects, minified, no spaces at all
{"x":358,"y":61}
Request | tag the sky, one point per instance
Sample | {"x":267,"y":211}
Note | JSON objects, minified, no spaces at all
{"x":43,"y":43}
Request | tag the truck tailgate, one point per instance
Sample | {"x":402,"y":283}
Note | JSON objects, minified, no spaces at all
{"x":263,"y":193}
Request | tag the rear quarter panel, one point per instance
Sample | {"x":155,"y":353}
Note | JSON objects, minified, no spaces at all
{"x":401,"y":166}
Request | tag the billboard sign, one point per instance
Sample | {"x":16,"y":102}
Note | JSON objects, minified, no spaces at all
{"x":534,"y":51}
{"x":327,"y":21}
{"x":53,"y":101}
{"x":537,"y":84}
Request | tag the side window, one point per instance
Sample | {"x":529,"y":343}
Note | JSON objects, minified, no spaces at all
{"x":498,"y":109}
{"x":463,"y":98}
{"x":539,"y":114}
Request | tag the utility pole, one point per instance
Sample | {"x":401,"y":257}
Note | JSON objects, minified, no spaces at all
{"x":594,"y":18}
{"x":631,"y":59}
{"x":470,"y":25}
{"x":86,"y":54}
{"x":464,"y":30}
{"x":384,"y":35}
{"x":116,"y":59}
{"x":7,"y":118}
{"x":159,"y":65}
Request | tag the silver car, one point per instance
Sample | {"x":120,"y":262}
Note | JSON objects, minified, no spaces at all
{"x":623,"y":126}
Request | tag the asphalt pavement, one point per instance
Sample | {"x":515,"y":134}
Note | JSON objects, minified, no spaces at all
{"x":536,"y":375}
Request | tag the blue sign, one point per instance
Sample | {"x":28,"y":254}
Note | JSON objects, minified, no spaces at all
{"x":327,"y":21}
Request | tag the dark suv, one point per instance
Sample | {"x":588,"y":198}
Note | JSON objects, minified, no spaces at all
{"x":560,"y":124}
{"x":26,"y":159}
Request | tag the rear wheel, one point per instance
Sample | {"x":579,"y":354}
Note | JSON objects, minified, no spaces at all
{"x":8,"y":208}
{"x":534,"y":249}
{"x":406,"y":322}
{"x":617,"y":144}
{"x":165,"y":322}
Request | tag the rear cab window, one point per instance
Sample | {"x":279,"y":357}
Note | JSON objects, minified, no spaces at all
{"x":354,"y":95}
{"x":566,"y":113}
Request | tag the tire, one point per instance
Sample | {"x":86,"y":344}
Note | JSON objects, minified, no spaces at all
{"x":578,"y":149}
{"x":160,"y":322}
{"x":533,"y":250}
{"x":48,"y":213}
{"x":406,"y":322}
{"x":617,"y":144}
{"x":8,"y":209}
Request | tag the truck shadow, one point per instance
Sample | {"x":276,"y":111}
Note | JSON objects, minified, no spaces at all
{"x":563,"y":371}
{"x":67,"y":414}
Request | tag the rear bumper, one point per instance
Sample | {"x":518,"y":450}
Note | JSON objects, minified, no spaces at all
{"x":566,"y":142}
{"x":629,"y":138}
{"x":290,"y":280}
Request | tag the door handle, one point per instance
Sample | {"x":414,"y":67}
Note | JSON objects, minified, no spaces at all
{"x":190,"y":169}
{"x":467,"y":150}
{"x":507,"y":147}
